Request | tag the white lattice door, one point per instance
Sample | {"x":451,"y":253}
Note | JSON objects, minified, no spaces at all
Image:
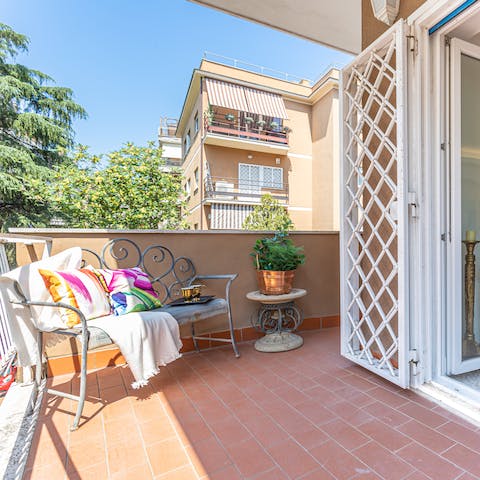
{"x":374,"y":209}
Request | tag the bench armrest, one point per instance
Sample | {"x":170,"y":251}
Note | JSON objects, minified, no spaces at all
{"x":83,"y":320}
{"x":228,"y":276}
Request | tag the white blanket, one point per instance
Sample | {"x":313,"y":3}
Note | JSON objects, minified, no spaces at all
{"x":147,"y":340}
{"x":25,"y":322}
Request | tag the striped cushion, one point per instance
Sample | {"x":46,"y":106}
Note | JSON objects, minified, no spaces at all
{"x":79,"y":288}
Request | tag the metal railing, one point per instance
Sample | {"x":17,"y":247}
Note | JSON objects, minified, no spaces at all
{"x":237,"y":190}
{"x":244,"y":127}
{"x":252,"y":67}
{"x":167,"y":127}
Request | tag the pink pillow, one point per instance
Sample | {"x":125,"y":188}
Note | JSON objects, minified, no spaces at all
{"x":125,"y":279}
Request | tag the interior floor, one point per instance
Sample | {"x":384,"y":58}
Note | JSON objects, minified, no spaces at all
{"x":471,"y":379}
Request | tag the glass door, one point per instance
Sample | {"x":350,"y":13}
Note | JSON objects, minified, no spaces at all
{"x":463,"y":321}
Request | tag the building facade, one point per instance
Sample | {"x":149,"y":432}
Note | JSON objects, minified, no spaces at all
{"x":169,"y":143}
{"x":245,"y":134}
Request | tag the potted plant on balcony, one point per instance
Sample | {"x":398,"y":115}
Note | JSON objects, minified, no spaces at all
{"x":229,"y":117}
{"x":209,"y":115}
{"x":287,"y":130}
{"x":276,"y":259}
{"x":274,"y":125}
{"x":248,"y":122}
{"x":261,"y":124}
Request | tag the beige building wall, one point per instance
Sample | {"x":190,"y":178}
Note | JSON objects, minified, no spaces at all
{"x":300,"y":163}
{"x":325,"y":162}
{"x":192,"y":163}
{"x":299,"y":120}
{"x":224,"y":161}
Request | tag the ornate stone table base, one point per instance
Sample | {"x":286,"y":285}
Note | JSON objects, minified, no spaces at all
{"x":278,"y":342}
{"x":277,"y":317}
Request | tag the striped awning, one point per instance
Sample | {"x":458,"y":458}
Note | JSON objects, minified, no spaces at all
{"x":226,"y":216}
{"x":265,"y":103}
{"x":245,"y":99}
{"x":228,"y":95}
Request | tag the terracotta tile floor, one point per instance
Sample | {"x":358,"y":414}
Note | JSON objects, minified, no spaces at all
{"x":304,"y":414}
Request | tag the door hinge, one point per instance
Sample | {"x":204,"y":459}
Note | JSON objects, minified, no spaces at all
{"x":413,"y":204}
{"x":412,"y":43}
{"x":413,"y":360}
{"x":447,"y":236}
{"x":443,"y":146}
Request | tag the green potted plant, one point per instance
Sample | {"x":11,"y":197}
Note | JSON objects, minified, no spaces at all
{"x":274,"y":125}
{"x":261,"y":124}
{"x":209,"y":115}
{"x":229,"y":117}
{"x":276,"y":259}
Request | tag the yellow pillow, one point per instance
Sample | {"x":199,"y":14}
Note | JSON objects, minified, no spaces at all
{"x":78,"y":288}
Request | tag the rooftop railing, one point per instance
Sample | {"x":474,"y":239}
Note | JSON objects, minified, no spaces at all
{"x":252,"y":67}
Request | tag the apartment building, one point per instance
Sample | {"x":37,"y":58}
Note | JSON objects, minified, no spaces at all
{"x":245,"y":133}
{"x":169,"y":143}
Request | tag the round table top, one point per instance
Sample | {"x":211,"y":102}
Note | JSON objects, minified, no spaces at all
{"x":288,"y":297}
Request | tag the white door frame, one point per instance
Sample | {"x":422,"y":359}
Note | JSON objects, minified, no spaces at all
{"x":455,"y":330}
{"x":428,"y":142}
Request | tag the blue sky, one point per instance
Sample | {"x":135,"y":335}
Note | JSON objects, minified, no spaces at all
{"x":130,"y":62}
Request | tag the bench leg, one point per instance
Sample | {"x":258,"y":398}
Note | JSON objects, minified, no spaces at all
{"x":83,"y":382}
{"x":39,"y":365}
{"x":232,"y":334}
{"x":195,"y":343}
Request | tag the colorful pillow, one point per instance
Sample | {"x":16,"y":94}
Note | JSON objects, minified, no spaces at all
{"x":133,"y":300}
{"x":130,"y":290}
{"x":79,"y":288}
{"x":126,"y":278}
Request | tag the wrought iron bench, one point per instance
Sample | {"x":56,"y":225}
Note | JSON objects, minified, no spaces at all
{"x":167,"y":274}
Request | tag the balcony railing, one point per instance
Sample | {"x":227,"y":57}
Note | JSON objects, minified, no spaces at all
{"x":237,"y":190}
{"x":167,"y":127}
{"x":246,"y":128}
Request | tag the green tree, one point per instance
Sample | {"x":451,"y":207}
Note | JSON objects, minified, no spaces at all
{"x":269,"y":215}
{"x":35,"y":131}
{"x":127,"y":188}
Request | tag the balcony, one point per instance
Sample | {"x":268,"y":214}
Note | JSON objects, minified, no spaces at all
{"x":238,"y":130}
{"x":304,"y":414}
{"x":235,"y":190}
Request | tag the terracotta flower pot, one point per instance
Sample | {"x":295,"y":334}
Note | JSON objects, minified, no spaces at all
{"x":272,"y":282}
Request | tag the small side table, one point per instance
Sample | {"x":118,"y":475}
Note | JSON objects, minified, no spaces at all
{"x":278,"y":317}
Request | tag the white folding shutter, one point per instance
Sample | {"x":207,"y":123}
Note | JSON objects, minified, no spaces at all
{"x":267,"y":179}
{"x":374,"y":210}
{"x":249,"y":178}
{"x":271,"y":177}
{"x":277,"y":177}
